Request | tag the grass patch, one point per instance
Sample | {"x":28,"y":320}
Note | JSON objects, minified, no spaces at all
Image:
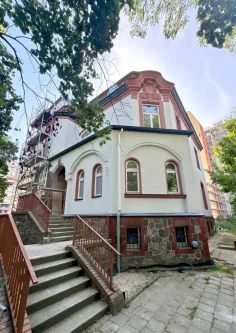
{"x":193,"y":311}
{"x":191,"y":273}
{"x":207,"y":278}
{"x":190,"y":286}
{"x":232,"y":232}
{"x":221,"y":269}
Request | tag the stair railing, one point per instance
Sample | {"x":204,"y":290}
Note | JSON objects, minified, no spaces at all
{"x":18,"y":269}
{"x":97,"y":249}
{"x":31,"y":201}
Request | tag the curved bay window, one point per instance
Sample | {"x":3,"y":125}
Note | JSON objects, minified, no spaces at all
{"x":172,"y":178}
{"x":132,"y":177}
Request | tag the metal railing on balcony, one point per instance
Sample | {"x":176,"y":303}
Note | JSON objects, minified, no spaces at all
{"x":97,"y":249}
{"x":18,"y":269}
{"x":32,"y":202}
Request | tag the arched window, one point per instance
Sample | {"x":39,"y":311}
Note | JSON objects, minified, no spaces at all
{"x":204,"y":196}
{"x":172,"y":178}
{"x":97,"y":181}
{"x":132,"y":177}
{"x":79,"y":189}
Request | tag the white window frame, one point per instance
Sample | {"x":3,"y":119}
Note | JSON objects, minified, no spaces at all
{"x":96,"y":175}
{"x":132,"y":170}
{"x":149,"y":113}
{"x":79,"y":185}
{"x":177,"y":177}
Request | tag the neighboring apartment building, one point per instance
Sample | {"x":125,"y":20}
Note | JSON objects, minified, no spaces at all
{"x":145,"y":187}
{"x":219,"y":200}
{"x":6,"y":204}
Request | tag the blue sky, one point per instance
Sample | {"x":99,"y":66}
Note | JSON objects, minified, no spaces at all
{"x":204,"y":77}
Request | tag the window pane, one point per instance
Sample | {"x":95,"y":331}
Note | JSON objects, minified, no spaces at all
{"x":99,"y":170}
{"x":81,"y":188}
{"x":172,"y":182}
{"x":155,"y":121}
{"x":132,"y":165}
{"x":133,"y":240}
{"x":132,"y":181}
{"x":98,"y":190}
{"x":170,"y":166}
{"x":150,"y":108}
{"x":147,"y":120}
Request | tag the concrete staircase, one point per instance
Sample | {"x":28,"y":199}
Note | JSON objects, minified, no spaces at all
{"x":61,"y":231}
{"x":63,"y":300}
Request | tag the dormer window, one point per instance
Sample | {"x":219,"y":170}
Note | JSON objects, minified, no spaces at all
{"x":151,"y":116}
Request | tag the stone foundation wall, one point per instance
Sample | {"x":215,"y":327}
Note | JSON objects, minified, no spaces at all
{"x":28,"y":231}
{"x":159,"y":244}
{"x":98,"y":223}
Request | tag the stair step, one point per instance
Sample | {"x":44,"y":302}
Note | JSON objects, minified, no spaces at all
{"x":54,"y":266}
{"x":61,"y":228}
{"x":52,"y":314}
{"x":55,"y":278}
{"x":61,"y":238}
{"x":49,"y":258}
{"x":80,"y":320}
{"x":60,"y":225}
{"x":46,"y":297}
{"x":61,"y":233}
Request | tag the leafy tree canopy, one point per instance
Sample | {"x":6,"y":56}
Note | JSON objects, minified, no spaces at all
{"x":216,"y":19}
{"x":225,"y":151}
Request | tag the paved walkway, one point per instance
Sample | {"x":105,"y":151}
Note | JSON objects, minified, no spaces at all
{"x":190,"y":302}
{"x":225,"y":256}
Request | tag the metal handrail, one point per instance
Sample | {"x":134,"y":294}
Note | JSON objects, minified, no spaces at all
{"x":17,"y":267}
{"x":97,"y":248}
{"x":34,"y":203}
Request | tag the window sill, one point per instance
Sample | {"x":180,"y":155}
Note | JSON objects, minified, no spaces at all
{"x":78,"y":199}
{"x":157,"y":196}
{"x":96,"y":196}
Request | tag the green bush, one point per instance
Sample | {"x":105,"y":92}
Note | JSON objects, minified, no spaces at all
{"x":226,"y":222}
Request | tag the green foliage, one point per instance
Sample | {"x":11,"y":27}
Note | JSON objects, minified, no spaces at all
{"x":226,"y":222}
{"x":216,"y":18}
{"x":8,"y":152}
{"x":222,"y":269}
{"x":68,"y":36}
{"x":193,"y":311}
{"x":225,"y":151}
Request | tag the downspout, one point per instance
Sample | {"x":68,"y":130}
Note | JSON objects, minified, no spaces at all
{"x":118,"y":201}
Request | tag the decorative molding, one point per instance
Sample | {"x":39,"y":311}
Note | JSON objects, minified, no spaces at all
{"x":149,"y":92}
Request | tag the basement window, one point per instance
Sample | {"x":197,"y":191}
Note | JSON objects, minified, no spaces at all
{"x":181,"y":236}
{"x":133,"y":239}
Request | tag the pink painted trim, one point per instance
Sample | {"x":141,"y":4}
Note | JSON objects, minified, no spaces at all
{"x":141,"y":120}
{"x":162,"y":115}
{"x":77,"y":184}
{"x":93,"y":195}
{"x":139,"y":174}
{"x":204,"y":195}
{"x":178,"y":122}
{"x":178,"y":173}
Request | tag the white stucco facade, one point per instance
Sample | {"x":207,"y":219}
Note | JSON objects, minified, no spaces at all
{"x":150,"y":148}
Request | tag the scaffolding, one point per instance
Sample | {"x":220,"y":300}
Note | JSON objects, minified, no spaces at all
{"x":33,"y":163}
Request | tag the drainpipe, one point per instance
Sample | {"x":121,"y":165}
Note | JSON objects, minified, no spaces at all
{"x":118,"y":201}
